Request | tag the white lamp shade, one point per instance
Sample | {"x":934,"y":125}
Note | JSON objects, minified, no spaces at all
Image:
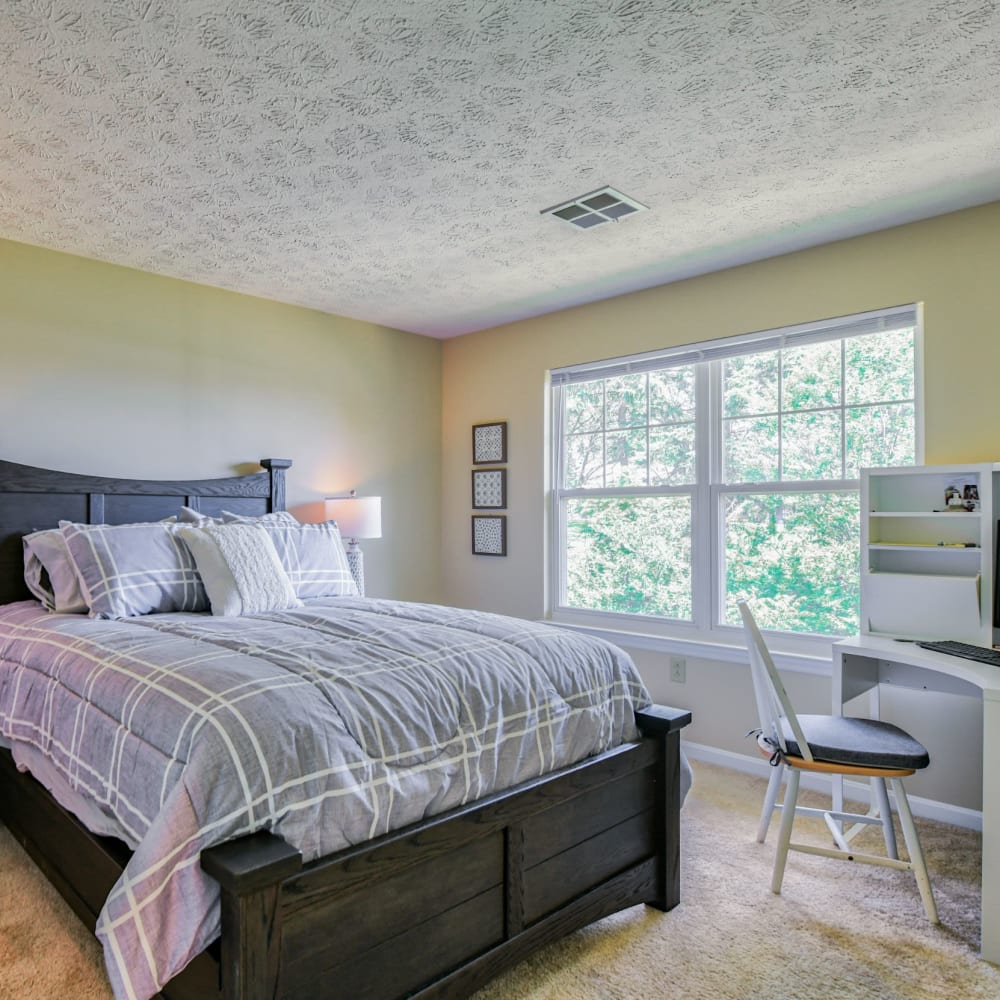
{"x":357,"y":517}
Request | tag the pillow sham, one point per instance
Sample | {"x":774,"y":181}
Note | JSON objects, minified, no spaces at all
{"x":313,"y":557}
{"x":188,"y":515}
{"x":275,"y":517}
{"x":50,"y":573}
{"x":240,"y":569}
{"x":134,"y":569}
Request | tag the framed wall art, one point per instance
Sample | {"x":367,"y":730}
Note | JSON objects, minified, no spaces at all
{"x":489,"y":489}
{"x":489,"y":443}
{"x":489,"y":534}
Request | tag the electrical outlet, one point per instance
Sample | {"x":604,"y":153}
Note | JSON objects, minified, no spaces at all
{"x":678,"y":669}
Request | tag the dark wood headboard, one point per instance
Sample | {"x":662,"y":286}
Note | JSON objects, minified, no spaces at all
{"x":32,"y":498}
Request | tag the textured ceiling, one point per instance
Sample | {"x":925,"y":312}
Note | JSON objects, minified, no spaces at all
{"x":388,"y":159}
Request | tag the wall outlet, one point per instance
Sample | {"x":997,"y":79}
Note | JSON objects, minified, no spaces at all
{"x":678,"y":669}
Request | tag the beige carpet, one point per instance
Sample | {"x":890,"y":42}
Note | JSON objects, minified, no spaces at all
{"x":838,"y":930}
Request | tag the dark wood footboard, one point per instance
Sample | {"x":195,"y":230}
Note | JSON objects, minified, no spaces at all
{"x":437,"y":909}
{"x":440,"y":908}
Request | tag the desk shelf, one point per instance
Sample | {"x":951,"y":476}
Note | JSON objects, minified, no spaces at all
{"x":947,"y":548}
{"x":950,"y":514}
{"x":928,"y":571}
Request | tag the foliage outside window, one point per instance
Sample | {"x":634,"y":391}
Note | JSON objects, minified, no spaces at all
{"x":689,"y":480}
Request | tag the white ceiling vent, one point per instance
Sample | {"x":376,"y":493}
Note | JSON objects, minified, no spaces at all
{"x":604,"y":205}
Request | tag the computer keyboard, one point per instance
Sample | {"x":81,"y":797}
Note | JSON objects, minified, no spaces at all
{"x":964,"y":649}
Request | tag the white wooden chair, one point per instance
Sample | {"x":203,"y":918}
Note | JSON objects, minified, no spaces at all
{"x":831,"y":744}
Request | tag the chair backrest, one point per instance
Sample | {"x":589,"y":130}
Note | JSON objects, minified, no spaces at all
{"x":773,"y":703}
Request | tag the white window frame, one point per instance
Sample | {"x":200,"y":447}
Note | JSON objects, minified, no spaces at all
{"x":704,"y":635}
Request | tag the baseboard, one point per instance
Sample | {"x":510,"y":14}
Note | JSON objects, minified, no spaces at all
{"x":943,"y":812}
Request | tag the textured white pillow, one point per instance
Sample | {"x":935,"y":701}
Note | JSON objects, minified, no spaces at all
{"x":239,"y":568}
{"x":47,"y":550}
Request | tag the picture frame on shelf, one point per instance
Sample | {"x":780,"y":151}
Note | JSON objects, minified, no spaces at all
{"x":489,"y":443}
{"x":489,"y":534}
{"x":489,"y":489}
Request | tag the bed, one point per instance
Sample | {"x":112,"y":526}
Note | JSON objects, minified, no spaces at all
{"x":435,"y":906}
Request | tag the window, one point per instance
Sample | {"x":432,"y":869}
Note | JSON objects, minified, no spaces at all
{"x":686,"y":480}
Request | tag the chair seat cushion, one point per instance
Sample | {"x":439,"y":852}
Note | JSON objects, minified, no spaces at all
{"x":862,"y":742}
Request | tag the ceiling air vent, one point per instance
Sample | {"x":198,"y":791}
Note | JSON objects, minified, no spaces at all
{"x":604,"y":205}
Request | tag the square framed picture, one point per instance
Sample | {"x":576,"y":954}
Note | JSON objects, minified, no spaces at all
{"x":489,"y":443}
{"x":489,"y":534}
{"x":489,"y":489}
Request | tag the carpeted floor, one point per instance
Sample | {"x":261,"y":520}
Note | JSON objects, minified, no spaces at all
{"x":837,"y":931}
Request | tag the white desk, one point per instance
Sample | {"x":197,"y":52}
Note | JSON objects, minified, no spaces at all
{"x":861,"y":664}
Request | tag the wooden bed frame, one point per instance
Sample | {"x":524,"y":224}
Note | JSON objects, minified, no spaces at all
{"x":436,"y":909}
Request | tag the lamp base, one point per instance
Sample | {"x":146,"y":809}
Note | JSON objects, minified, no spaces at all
{"x":356,"y":564}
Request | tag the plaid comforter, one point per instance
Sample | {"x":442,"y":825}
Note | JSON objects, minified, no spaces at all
{"x":328,"y":725}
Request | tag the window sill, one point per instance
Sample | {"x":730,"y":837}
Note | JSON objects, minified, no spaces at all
{"x":819,"y":663}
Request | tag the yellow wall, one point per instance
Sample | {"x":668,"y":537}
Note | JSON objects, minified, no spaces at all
{"x":948,"y":263}
{"x":116,"y":372}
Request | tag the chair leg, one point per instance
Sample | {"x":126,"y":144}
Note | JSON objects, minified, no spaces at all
{"x":885,"y":814}
{"x":916,"y":853}
{"x":785,"y":831}
{"x":773,"y":783}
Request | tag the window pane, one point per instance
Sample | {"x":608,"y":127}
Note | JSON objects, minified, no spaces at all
{"x":880,"y":435}
{"x":584,"y":404}
{"x":750,"y":384}
{"x":630,"y":555}
{"x":794,"y":558}
{"x":880,"y":367}
{"x":671,"y":395}
{"x":671,"y":455}
{"x":584,"y":461}
{"x":810,"y":376}
{"x":626,"y":401}
{"x":626,"y":458}
{"x":810,"y":446}
{"x":750,"y":450}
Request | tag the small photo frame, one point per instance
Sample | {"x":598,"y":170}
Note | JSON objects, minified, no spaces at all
{"x":489,"y":534}
{"x":489,"y":489}
{"x":489,"y":443}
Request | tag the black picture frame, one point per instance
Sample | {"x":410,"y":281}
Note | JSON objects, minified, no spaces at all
{"x":489,"y":443}
{"x":489,"y":534}
{"x":489,"y":489}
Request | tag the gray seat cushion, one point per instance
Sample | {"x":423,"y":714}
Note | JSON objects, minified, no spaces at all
{"x":863,"y":742}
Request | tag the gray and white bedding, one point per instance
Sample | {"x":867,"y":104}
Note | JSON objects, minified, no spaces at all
{"x":327,"y":724}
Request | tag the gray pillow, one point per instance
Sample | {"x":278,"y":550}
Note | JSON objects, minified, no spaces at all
{"x":50,"y":573}
{"x":134,"y":569}
{"x":314,"y":558}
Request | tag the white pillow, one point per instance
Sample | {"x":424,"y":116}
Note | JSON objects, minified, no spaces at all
{"x":239,"y":568}
{"x":47,"y":550}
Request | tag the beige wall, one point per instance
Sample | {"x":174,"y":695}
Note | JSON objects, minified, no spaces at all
{"x":948,"y":263}
{"x":112,"y":371}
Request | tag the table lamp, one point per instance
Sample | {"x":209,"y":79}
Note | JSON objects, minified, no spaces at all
{"x":357,"y":517}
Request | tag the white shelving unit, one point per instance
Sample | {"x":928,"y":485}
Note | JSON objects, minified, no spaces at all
{"x":926,"y":569}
